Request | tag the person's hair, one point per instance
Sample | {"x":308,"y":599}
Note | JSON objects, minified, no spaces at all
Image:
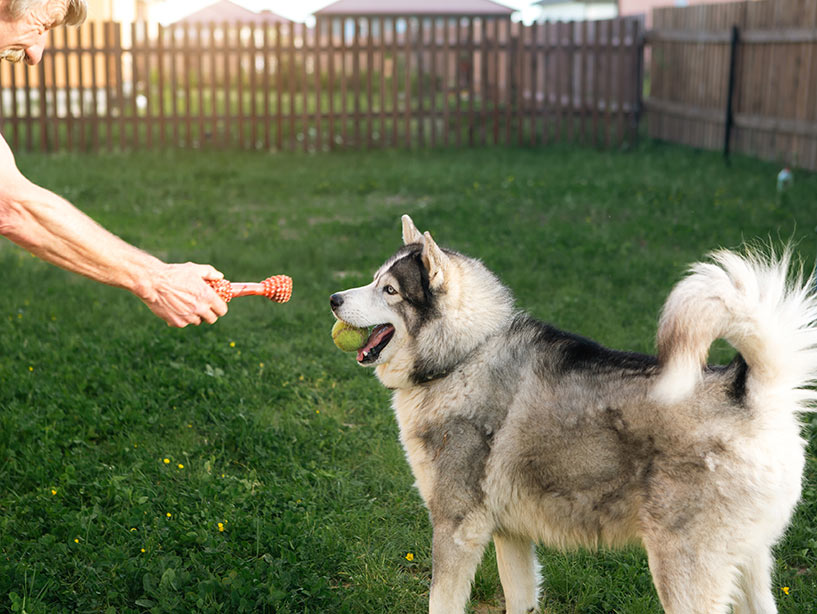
{"x":74,"y":16}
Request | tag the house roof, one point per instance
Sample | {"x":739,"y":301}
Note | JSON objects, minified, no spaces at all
{"x":552,"y":2}
{"x":224,"y":10}
{"x":414,"y":7}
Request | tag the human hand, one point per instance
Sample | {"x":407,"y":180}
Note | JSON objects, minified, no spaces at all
{"x":181,"y":296}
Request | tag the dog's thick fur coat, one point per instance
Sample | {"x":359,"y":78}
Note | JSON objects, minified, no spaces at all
{"x":523,"y":433}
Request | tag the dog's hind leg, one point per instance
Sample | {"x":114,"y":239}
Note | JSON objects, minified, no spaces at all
{"x":519,"y":573}
{"x":755,"y":586}
{"x":689,"y":579}
{"x":456,"y":552}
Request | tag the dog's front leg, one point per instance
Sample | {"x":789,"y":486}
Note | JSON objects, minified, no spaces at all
{"x":456,"y":552}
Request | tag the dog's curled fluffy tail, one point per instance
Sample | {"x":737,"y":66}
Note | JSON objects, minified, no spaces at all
{"x":756,"y":304}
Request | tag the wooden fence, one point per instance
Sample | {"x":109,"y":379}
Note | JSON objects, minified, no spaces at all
{"x":772,"y":112}
{"x":346,"y":83}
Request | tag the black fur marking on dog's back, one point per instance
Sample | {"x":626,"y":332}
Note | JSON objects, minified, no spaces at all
{"x":570,"y":352}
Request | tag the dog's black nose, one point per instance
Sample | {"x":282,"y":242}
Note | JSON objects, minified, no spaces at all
{"x":336,"y":300}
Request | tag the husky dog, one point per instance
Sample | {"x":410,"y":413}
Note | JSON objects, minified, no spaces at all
{"x":523,"y":433}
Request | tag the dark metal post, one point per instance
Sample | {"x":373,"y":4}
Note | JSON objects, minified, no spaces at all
{"x":733,"y":51}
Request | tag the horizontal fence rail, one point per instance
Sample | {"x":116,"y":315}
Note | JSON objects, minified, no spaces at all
{"x":772,"y":113}
{"x":364,"y":82}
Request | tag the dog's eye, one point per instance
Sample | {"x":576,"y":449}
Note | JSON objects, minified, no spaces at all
{"x":390,"y":290}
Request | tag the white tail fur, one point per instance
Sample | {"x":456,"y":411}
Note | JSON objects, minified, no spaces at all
{"x":754,"y":303}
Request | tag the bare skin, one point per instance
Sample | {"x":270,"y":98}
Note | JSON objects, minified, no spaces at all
{"x":53,"y":229}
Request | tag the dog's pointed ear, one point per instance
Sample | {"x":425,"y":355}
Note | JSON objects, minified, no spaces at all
{"x":410,"y":232}
{"x":435,"y":262}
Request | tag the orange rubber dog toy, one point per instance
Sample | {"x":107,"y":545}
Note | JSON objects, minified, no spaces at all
{"x":277,"y":288}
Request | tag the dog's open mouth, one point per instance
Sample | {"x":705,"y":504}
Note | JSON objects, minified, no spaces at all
{"x":379,"y":339}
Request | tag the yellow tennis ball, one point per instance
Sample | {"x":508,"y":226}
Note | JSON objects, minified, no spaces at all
{"x":347,"y":337}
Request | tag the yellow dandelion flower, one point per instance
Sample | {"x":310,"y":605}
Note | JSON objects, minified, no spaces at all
{"x":166,"y":461}
{"x":181,"y":466}
{"x":143,"y":550}
{"x":53,"y":491}
{"x":30,"y":368}
{"x":221,"y":527}
{"x":410,"y":556}
{"x":785,"y":589}
{"x":261,"y":364}
{"x":232,"y":344}
{"x":169,"y":515}
{"x":76,"y":540}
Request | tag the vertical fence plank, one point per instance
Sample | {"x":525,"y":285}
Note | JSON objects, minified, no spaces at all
{"x":343,"y":83}
{"x":279,"y":87}
{"x":508,"y":81}
{"x":570,"y":85}
{"x":134,"y":93}
{"x":188,"y":87}
{"x":356,"y":84}
{"x":395,"y":120}
{"x":608,"y":85}
{"x":240,"y":56}
{"x":621,"y":80}
{"x":212,"y":66}
{"x":265,"y":86}
{"x":69,"y":111}
{"x":80,"y":90}
{"x":15,"y":113}
{"x":432,"y":80}
{"x":407,"y":97}
{"x":370,"y":116}
{"x":419,"y":51}
{"x":318,"y":95}
{"x":197,"y":49}
{"x":381,"y":108}
{"x":93,"y":102}
{"x":495,"y":49}
{"x":471,"y":77}
{"x":457,"y":82}
{"x":225,"y":87}
{"x":304,"y":89}
{"x":161,"y":59}
{"x":53,"y":140}
{"x":291,"y":85}
{"x":106,"y":61}
{"x":330,"y":79}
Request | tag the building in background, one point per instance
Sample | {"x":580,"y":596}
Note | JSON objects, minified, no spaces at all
{"x":382,"y":8}
{"x":125,"y":11}
{"x":225,"y":11}
{"x":644,"y":7}
{"x":576,"y":10}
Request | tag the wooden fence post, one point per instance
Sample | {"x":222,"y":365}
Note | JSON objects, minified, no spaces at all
{"x":727,"y":135}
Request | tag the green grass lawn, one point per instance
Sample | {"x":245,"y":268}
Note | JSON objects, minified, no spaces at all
{"x":250,"y":466}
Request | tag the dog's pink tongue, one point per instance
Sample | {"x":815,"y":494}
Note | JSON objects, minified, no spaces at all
{"x":378,"y":333}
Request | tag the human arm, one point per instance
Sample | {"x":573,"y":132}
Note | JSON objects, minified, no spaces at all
{"x":53,"y":229}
